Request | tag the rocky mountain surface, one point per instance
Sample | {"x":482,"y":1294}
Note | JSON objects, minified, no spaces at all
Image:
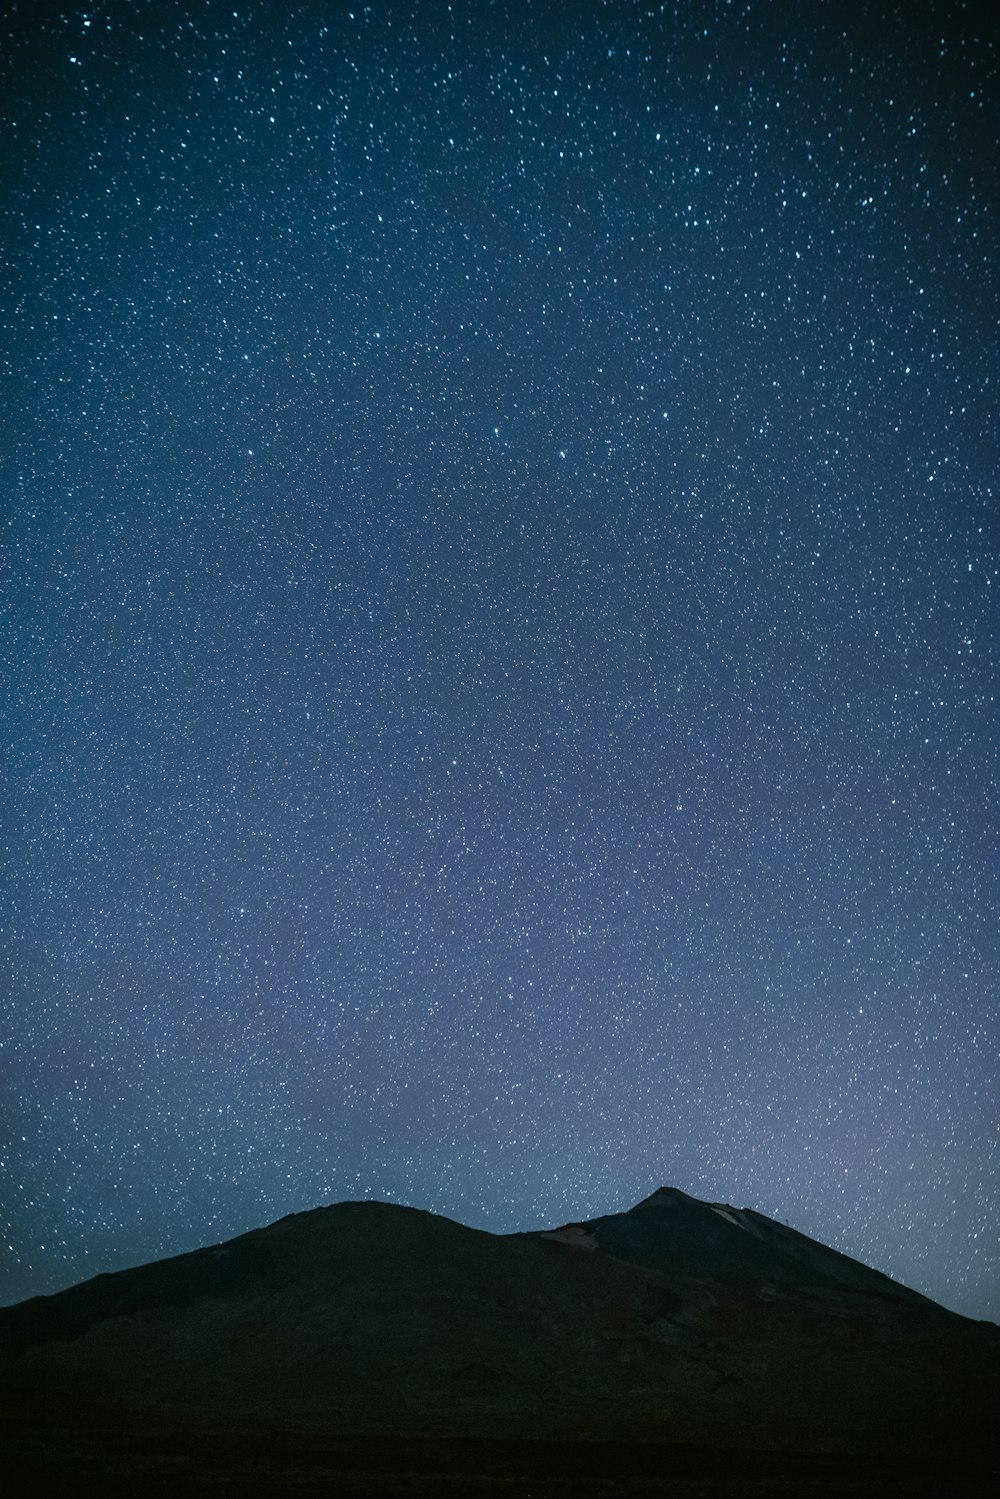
{"x":369,"y":1348}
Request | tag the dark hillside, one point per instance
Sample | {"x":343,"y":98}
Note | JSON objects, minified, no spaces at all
{"x":679,"y":1327}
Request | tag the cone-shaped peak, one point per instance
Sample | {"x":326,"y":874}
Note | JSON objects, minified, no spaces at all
{"x":663,"y":1196}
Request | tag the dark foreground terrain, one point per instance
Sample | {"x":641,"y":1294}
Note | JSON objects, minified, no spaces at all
{"x":680,"y":1348}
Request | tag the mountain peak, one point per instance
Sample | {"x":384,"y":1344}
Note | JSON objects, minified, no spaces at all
{"x":673,"y":1234}
{"x":664,"y":1195}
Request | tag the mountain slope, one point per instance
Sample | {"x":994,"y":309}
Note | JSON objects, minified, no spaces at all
{"x":670,"y":1232}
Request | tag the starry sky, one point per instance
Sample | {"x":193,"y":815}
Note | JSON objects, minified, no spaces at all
{"x":499,"y":571}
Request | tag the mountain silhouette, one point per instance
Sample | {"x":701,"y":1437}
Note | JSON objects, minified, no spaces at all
{"x":380,"y":1348}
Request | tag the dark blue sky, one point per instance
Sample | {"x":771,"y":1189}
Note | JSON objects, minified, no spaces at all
{"x":499,"y":583}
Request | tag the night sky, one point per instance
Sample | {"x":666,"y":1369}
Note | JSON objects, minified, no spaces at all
{"x":499,"y":577}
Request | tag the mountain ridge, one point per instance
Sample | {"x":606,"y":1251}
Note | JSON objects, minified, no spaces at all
{"x":658,"y":1197}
